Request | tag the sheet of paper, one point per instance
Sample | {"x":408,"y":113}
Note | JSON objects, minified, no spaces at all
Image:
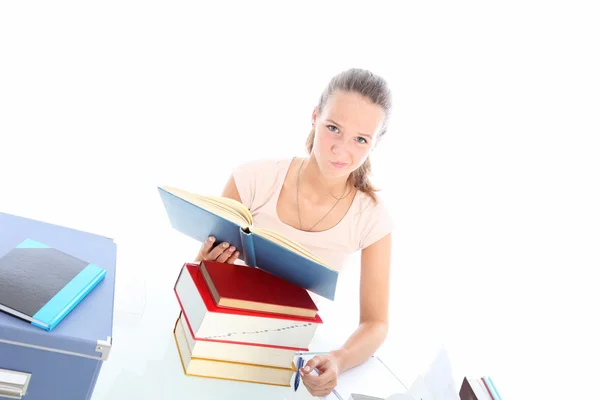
{"x":402,"y":396}
{"x":371,"y":378}
{"x":438,"y":379}
{"x":419,"y":390}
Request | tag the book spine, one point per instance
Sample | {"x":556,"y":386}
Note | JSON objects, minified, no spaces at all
{"x":69,"y":297}
{"x":492,"y":388}
{"x":248,"y":247}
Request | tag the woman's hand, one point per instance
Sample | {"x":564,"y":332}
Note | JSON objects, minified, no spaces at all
{"x":222,"y":253}
{"x":328,"y":370}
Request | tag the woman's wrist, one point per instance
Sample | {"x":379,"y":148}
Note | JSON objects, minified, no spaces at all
{"x":340,"y":356}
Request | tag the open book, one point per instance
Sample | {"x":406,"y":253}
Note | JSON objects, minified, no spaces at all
{"x":230,"y":221}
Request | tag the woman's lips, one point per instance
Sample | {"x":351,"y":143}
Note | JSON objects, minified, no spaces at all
{"x":338,"y":164}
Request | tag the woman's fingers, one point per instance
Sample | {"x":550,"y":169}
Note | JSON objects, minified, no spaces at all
{"x":217,"y":251}
{"x":222,"y":253}
{"x":233,"y":257}
{"x":205,"y":249}
{"x":227,"y":252}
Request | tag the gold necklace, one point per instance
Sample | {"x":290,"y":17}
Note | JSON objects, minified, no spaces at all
{"x":298,"y":202}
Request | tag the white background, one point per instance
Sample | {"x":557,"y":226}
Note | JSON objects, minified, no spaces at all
{"x":491,"y":164}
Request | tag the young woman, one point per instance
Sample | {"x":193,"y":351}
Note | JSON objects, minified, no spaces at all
{"x":326,"y":203}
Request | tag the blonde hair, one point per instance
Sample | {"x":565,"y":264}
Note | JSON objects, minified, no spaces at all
{"x":372,"y":87}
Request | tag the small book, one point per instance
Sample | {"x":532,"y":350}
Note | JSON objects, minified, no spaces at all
{"x":478,"y":389}
{"x":41,"y":285}
{"x":240,"y":287}
{"x":230,"y":221}
{"x":209,"y":322}
{"x":220,"y":369}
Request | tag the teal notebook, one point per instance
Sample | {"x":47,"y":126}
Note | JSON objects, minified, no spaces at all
{"x":230,"y":221}
{"x":42,"y":285}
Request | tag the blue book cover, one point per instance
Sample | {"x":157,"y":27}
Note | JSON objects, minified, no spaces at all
{"x":42,"y":285}
{"x":230,"y":221}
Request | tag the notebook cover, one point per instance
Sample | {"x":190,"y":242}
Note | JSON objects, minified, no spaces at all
{"x":43,"y":283}
{"x":255,"y":285}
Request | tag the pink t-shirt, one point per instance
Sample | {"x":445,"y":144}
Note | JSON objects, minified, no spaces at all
{"x":259,"y":184}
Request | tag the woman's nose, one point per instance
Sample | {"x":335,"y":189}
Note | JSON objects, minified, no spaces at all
{"x":339,"y":148}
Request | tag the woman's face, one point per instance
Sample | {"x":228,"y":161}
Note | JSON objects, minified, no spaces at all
{"x":345,"y":132}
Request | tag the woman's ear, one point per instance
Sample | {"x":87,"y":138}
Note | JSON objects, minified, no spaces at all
{"x":314,"y":115}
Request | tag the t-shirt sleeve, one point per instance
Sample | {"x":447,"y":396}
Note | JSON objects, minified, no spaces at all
{"x":253,"y":180}
{"x":244,"y":176}
{"x":377,"y":224}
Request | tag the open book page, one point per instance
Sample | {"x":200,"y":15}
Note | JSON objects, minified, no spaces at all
{"x":232,"y":206}
{"x":289,"y":244}
{"x":229,"y":209}
{"x":372,"y":378}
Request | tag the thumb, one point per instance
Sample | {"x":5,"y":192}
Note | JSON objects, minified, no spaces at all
{"x":313,"y":363}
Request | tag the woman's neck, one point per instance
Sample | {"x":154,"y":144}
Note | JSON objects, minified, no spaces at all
{"x":317,"y":186}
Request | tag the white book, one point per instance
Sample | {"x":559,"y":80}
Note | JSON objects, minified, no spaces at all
{"x":227,"y":370}
{"x":237,"y":352}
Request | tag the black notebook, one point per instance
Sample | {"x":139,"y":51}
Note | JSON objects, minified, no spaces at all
{"x":41,"y":285}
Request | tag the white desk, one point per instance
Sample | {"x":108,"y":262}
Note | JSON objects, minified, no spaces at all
{"x":144,"y":362}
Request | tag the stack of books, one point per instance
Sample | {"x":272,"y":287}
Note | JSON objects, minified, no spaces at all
{"x":241,"y":323}
{"x":479,"y":389}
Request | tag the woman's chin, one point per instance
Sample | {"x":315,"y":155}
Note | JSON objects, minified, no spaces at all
{"x":336,"y":172}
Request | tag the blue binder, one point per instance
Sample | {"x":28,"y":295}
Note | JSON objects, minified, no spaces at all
{"x":65,"y":362}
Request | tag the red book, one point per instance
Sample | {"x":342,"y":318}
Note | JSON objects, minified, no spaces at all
{"x":246,"y":288}
{"x":207,"y":321}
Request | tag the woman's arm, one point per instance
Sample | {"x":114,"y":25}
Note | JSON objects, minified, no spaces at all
{"x":229,"y":254}
{"x":373,"y":326}
{"x":374,"y":304}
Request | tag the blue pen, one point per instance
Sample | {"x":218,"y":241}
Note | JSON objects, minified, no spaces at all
{"x":297,"y":381}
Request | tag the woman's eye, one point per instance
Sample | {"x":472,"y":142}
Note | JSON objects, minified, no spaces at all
{"x":333,"y":128}
{"x":361,"y":140}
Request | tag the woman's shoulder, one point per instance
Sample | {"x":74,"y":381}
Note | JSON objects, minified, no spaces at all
{"x":374,"y":218}
{"x":257,"y":179}
{"x":263,"y":165}
{"x":370,"y":204}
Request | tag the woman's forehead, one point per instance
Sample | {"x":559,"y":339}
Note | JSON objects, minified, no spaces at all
{"x":354,"y":112}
